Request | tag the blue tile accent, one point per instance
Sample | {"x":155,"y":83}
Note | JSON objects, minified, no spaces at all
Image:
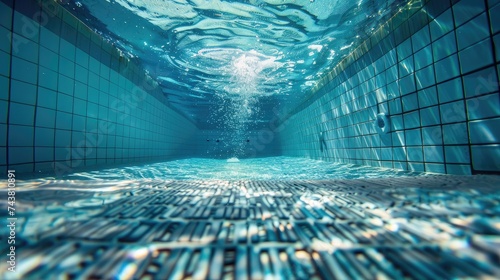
{"x":486,"y":158}
{"x":22,"y":92}
{"x":21,"y":114}
{"x":457,"y":154}
{"x":483,"y":107}
{"x":20,"y":135}
{"x":451,"y":90}
{"x":485,"y":131}
{"x":430,"y":116}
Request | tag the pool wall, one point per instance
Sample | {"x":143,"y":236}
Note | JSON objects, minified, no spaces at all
{"x":433,"y":68}
{"x":248,"y":144}
{"x":69,"y":99}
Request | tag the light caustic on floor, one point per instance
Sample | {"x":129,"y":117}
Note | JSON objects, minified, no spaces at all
{"x":435,"y":227}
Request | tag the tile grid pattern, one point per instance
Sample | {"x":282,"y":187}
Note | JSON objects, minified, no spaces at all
{"x":69,"y":99}
{"x":434,"y":69}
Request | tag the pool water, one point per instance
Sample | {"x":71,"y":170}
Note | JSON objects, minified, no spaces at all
{"x":269,"y":168}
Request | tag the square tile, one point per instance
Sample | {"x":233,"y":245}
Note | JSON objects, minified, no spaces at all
{"x":485,"y":106}
{"x":481,"y":82}
{"x":44,"y":137}
{"x":24,"y":70}
{"x":465,"y":10}
{"x":413,"y":137}
{"x":450,"y":90}
{"x":476,"y":56}
{"x":427,"y":97}
{"x":20,"y":135}
{"x":452,"y":112}
{"x":63,"y":121}
{"x":444,"y":47}
{"x":18,"y":155}
{"x":447,"y":68}
{"x":433,"y":154}
{"x":485,"y":131}
{"x":47,"y":78}
{"x":457,"y":154}
{"x":21,"y":114}
{"x":45,"y":117}
{"x":486,"y":158}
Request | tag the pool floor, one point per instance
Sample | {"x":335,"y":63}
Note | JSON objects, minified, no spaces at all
{"x":435,"y":227}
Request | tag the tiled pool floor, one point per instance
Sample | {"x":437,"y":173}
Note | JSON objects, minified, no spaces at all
{"x":435,"y":227}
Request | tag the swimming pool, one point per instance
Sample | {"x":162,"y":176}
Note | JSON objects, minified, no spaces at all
{"x":260,"y":139}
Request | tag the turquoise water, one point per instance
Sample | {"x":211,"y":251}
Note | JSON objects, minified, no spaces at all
{"x":269,"y":168}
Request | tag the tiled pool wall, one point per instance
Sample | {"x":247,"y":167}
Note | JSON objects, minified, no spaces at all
{"x":69,"y":99}
{"x":433,"y":68}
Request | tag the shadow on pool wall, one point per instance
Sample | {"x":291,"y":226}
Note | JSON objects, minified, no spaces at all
{"x":433,"y":70}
